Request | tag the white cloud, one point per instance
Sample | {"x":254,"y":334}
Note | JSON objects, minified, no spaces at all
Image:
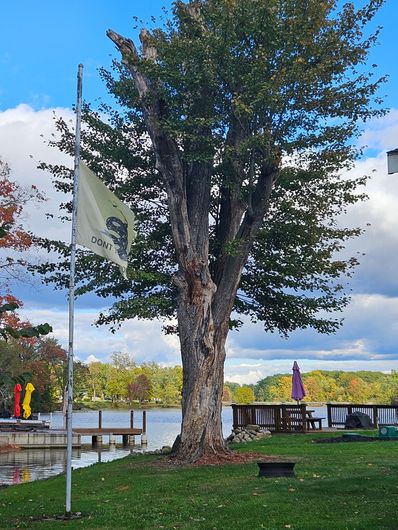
{"x":92,"y":359}
{"x":143,"y":339}
{"x":382,"y":133}
{"x":23,"y":136}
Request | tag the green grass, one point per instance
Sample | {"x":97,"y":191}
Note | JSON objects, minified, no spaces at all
{"x":338,"y":486}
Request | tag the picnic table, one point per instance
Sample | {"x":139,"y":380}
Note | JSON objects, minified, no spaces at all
{"x":312,"y":421}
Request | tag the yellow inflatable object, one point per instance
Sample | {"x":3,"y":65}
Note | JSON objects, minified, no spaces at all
{"x":25,"y":475}
{"x":26,"y":401}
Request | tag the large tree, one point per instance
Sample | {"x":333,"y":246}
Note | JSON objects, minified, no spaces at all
{"x":235,"y":122}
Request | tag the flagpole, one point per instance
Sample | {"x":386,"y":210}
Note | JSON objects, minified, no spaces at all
{"x":69,"y":409}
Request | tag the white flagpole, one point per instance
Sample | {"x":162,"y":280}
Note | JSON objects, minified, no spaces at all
{"x":72,"y":297}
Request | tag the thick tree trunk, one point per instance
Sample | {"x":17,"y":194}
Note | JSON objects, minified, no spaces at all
{"x":203,"y":354}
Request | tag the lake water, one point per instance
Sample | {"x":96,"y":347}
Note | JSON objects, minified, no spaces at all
{"x":163,"y":425}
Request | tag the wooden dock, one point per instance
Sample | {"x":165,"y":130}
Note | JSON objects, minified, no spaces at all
{"x":97,"y":433}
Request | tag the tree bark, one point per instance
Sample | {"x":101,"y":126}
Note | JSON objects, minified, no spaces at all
{"x":203,"y":355}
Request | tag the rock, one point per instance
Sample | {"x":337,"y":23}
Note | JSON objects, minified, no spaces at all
{"x":254,"y":428}
{"x":262,"y":435}
{"x":166,"y":449}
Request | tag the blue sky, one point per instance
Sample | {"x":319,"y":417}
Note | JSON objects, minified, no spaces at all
{"x":41,"y":44}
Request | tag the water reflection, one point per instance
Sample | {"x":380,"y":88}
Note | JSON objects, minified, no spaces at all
{"x":30,"y":464}
{"x":27,"y":465}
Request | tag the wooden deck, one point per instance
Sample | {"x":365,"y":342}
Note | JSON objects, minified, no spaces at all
{"x":297,"y":418}
{"x":276,"y":418}
{"x":379,"y":414}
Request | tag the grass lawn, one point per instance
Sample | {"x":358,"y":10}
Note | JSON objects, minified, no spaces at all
{"x":338,"y":486}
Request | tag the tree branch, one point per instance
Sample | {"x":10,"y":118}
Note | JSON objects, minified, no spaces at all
{"x":232,"y":265}
{"x":167,"y":154}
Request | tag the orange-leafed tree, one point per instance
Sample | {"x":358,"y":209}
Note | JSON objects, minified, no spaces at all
{"x":14,"y":239}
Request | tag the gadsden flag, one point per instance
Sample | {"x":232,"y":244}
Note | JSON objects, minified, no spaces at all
{"x":104,"y":224}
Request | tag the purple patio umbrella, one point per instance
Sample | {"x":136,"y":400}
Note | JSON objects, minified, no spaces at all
{"x":298,"y":391}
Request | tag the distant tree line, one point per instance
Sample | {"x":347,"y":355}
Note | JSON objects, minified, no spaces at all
{"x":42,"y":362}
{"x":321,"y":386}
{"x":124,"y":381}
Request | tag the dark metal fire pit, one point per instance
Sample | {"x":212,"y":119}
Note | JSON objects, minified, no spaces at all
{"x":276,"y":469}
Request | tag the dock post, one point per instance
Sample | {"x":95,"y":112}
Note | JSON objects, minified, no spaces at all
{"x":144,"y":439}
{"x":131,"y":438}
{"x":112,"y":439}
{"x":98,"y":438}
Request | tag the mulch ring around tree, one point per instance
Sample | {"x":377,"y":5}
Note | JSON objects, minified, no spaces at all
{"x":218,"y":460}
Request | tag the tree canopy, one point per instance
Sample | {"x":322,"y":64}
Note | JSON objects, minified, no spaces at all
{"x":244,"y":85}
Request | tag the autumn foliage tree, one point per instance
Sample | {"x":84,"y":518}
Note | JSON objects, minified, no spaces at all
{"x":238,"y":122}
{"x":140,"y":389}
{"x":244,"y":395}
{"x":14,"y":239}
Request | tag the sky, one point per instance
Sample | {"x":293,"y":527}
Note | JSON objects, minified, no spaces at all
{"x":41,"y":44}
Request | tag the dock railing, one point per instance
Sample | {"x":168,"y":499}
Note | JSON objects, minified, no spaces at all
{"x":277,"y":418}
{"x":379,"y":414}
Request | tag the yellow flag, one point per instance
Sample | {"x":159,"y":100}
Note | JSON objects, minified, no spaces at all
{"x":104,"y":224}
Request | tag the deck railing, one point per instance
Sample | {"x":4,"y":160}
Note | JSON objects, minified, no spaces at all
{"x":278,"y":418}
{"x":379,"y":414}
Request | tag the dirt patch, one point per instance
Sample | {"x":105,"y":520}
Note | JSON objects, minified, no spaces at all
{"x":8,"y":448}
{"x":62,"y":517}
